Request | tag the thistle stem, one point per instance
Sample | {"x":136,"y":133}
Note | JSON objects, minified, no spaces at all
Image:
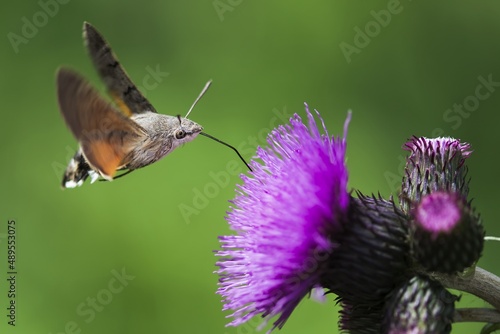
{"x":476,"y":315}
{"x":481,"y":283}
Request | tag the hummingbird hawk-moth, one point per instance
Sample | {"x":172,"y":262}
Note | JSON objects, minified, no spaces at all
{"x":123,"y":136}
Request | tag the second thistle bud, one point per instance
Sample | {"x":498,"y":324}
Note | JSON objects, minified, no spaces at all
{"x":447,"y":235}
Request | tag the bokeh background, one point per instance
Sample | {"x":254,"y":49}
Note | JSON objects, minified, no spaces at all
{"x":266,"y":59}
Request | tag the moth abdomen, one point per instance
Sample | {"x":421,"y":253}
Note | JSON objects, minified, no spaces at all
{"x":78,"y":171}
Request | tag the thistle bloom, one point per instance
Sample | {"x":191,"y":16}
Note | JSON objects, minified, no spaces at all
{"x":297,"y":228}
{"x":283,"y":216}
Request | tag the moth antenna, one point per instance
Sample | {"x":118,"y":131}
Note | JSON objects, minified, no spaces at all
{"x":204,"y":90}
{"x":232,"y":147}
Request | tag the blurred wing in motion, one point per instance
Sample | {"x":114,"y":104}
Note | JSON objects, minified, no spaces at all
{"x":106,"y":136}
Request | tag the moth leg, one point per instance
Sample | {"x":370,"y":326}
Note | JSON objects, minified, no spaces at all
{"x":118,"y":176}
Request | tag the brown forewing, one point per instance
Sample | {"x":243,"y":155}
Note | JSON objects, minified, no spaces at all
{"x":105,"y":135}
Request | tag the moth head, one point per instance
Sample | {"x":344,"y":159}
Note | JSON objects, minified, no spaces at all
{"x":186,"y":130}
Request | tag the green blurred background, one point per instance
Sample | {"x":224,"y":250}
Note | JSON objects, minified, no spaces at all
{"x":266,"y":58}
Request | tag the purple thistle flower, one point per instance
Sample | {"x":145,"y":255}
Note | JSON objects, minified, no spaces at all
{"x":283,"y":216}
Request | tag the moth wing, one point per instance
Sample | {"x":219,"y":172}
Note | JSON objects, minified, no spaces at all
{"x":125,"y":94}
{"x":105,"y":135}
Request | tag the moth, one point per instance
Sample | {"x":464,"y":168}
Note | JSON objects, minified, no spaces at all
{"x":122,"y":136}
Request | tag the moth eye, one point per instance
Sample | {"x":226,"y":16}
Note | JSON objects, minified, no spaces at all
{"x":180,"y":134}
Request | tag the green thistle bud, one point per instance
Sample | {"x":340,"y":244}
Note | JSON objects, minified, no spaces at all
{"x":419,"y":306}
